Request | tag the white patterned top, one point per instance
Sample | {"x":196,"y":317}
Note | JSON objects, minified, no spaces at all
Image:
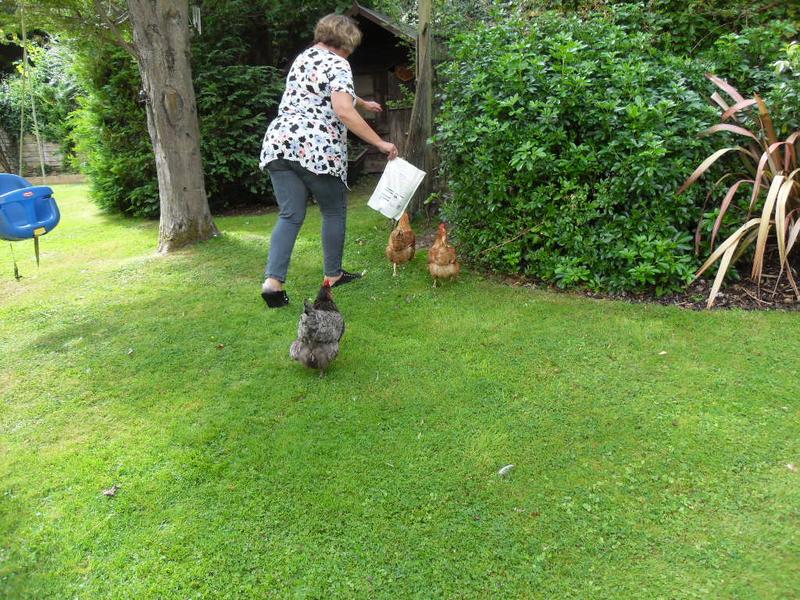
{"x":307,"y":129}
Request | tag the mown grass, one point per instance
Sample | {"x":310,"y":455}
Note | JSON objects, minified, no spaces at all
{"x":650,"y":443}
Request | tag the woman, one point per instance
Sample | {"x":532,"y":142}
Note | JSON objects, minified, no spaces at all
{"x":305,"y":151}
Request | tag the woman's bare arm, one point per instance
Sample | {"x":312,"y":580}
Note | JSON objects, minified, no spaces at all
{"x":344,"y":109}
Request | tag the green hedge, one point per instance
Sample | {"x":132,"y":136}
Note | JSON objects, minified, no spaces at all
{"x":110,"y":133}
{"x":51,"y":85}
{"x":236,"y":64}
{"x":564,"y":141}
{"x":233,"y":104}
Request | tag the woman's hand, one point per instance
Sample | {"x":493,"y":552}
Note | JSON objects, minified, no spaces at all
{"x":371,"y":106}
{"x":388,"y":148}
{"x":342,"y":103}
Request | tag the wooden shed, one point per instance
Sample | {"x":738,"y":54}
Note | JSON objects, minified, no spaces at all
{"x":383,"y":71}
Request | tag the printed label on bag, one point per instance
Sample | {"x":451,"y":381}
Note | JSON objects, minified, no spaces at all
{"x":393,"y":199}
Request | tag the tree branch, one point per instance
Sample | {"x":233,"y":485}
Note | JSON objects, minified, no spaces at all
{"x":113,"y":27}
{"x":74,"y":21}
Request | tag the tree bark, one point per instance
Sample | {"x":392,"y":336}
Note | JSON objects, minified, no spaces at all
{"x":162,"y":50}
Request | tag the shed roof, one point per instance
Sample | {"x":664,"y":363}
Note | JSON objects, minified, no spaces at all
{"x":401,"y":30}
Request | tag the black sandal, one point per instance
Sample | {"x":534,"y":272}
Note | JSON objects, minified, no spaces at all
{"x":275,"y":299}
{"x":346,"y":277}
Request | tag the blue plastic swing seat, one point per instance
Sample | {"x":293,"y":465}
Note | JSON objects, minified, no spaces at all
{"x":26,"y":211}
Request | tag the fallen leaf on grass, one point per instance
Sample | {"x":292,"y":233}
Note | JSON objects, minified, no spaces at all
{"x":792,"y":467}
{"x":662,"y":353}
{"x":505,"y":470}
{"x":112,"y":491}
{"x":220,"y":346}
{"x":130,"y":351}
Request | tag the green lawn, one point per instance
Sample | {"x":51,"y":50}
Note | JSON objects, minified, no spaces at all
{"x":650,"y":443}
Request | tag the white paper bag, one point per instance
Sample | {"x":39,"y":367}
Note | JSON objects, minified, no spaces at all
{"x":397,"y":185}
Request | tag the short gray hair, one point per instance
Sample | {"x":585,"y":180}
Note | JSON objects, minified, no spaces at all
{"x":338,"y":31}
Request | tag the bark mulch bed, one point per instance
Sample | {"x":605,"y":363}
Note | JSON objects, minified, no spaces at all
{"x":744,"y":294}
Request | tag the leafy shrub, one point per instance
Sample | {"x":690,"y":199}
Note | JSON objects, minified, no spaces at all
{"x":232,"y":102}
{"x":692,"y":27}
{"x":564,"y":141}
{"x":111,"y":129}
{"x":236,"y":97}
{"x":9,"y":117}
{"x":237,"y":64}
{"x":784,"y":93}
{"x":746,"y":57}
{"x":110,"y":134}
{"x":238,"y":85}
{"x":50,"y":84}
{"x":684,"y":27}
{"x":115,"y":147}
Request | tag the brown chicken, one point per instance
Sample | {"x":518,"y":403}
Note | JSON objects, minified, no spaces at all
{"x":402,"y":243}
{"x":442,"y":262}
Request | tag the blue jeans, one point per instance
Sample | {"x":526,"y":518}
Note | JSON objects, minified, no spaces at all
{"x":292,"y":185}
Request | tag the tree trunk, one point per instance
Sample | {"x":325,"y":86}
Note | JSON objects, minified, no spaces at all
{"x":161,"y":46}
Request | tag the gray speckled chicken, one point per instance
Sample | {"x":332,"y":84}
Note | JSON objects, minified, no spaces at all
{"x":320,"y":328}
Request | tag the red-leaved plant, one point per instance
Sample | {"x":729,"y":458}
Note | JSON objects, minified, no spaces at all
{"x":772,"y":171}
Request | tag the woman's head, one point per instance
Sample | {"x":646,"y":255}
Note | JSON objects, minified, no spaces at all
{"x":338,"y":31}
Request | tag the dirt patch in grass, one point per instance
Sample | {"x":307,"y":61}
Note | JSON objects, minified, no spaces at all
{"x":245,"y":210}
{"x":425,"y":239}
{"x":743,"y":295}
{"x":775,"y":293}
